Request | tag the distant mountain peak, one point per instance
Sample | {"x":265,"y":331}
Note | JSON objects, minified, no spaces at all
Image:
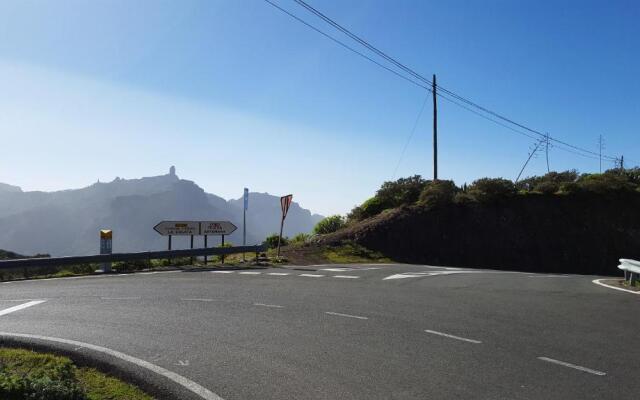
{"x":4,"y":187}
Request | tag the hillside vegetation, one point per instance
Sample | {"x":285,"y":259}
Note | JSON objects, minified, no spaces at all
{"x":559,"y":222}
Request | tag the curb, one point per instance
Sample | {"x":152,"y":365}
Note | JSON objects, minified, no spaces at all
{"x":156,"y":385}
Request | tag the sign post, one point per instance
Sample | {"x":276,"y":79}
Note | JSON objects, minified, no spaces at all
{"x":106,"y":247}
{"x":177,"y":228}
{"x":205,"y":246}
{"x":244,"y":220}
{"x":218,"y":228}
{"x":285,"y":203}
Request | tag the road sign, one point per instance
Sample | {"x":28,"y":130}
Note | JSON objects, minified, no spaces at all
{"x":178,"y":228}
{"x":106,"y":246}
{"x":285,"y":202}
{"x":217,"y":228}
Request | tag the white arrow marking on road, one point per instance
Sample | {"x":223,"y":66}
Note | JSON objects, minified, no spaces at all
{"x":432,"y":273}
{"x":184,"y":363}
{"x":20,"y":307}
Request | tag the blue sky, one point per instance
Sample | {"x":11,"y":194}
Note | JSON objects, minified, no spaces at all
{"x":235,"y":93}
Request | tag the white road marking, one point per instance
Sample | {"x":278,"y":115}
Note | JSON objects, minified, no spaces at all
{"x":452,"y":336}
{"x":120,"y":298}
{"x":222,"y":272}
{"x":549,"y":276}
{"x":20,"y":307}
{"x":345,"y":315}
{"x":16,"y":300}
{"x":431,"y":273}
{"x":337,"y":269}
{"x":179,"y":379}
{"x":346,"y":276}
{"x":312,"y":275}
{"x":184,"y":363}
{"x":578,"y":367}
{"x":196,"y":299}
{"x":597,"y":282}
{"x":278,"y":273}
{"x":250,"y":273}
{"x":267,"y":305}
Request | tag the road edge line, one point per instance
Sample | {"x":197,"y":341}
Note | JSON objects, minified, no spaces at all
{"x":597,"y":282}
{"x":185,"y":383}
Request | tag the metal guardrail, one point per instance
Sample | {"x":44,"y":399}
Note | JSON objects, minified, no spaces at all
{"x":631,"y":269}
{"x":145,"y":255}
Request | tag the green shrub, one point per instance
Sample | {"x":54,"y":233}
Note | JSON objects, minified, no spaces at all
{"x":300,"y":238}
{"x":491,"y":189}
{"x":529,"y":184}
{"x":605,"y":183}
{"x":329,"y":225}
{"x":464,"y":198}
{"x":271,"y":241}
{"x":437,"y":193}
{"x":392,"y":194}
{"x":546,"y":187}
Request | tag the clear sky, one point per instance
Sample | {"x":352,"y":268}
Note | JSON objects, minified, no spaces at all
{"x":235,"y":93}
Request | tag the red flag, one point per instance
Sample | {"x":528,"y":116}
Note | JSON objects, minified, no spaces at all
{"x":285,"y":202}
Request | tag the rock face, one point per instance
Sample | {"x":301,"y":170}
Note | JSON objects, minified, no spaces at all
{"x":67,"y":222}
{"x":582,"y":234}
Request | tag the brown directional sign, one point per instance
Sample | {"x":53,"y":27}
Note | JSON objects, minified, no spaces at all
{"x":178,"y":228}
{"x":217,"y":228}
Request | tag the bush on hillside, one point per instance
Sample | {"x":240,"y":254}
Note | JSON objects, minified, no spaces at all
{"x":546,"y":187}
{"x":329,"y":225}
{"x":271,"y":241}
{"x":299,"y":238}
{"x":558,"y":178}
{"x":604,"y":183}
{"x":437,"y":193}
{"x":464,"y":198}
{"x":392,"y":194}
{"x":491,"y":189}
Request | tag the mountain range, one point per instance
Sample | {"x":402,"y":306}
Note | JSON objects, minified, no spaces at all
{"x":67,"y":222}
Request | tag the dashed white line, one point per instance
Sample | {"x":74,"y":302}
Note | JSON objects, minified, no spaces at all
{"x":337,"y":269}
{"x":452,"y":336}
{"x":346,"y":276}
{"x":120,"y":298}
{"x":278,"y":273}
{"x":20,"y":307}
{"x":345,"y":315}
{"x":222,"y":272}
{"x":250,"y":273}
{"x":196,"y":299}
{"x":312,"y":275}
{"x":569,"y":365}
{"x":267,"y":305}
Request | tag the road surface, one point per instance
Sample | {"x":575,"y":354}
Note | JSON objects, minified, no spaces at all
{"x":352,"y":332}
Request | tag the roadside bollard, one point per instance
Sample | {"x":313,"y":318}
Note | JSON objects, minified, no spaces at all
{"x":106,"y":239}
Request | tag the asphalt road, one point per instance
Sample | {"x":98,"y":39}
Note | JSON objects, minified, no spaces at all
{"x":363,"y":332}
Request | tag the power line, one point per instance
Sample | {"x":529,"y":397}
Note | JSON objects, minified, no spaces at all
{"x":346,"y":46}
{"x":428,"y":82}
{"x":413,"y":130}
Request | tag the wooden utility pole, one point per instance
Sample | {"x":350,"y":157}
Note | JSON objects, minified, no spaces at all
{"x":435,"y":129}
